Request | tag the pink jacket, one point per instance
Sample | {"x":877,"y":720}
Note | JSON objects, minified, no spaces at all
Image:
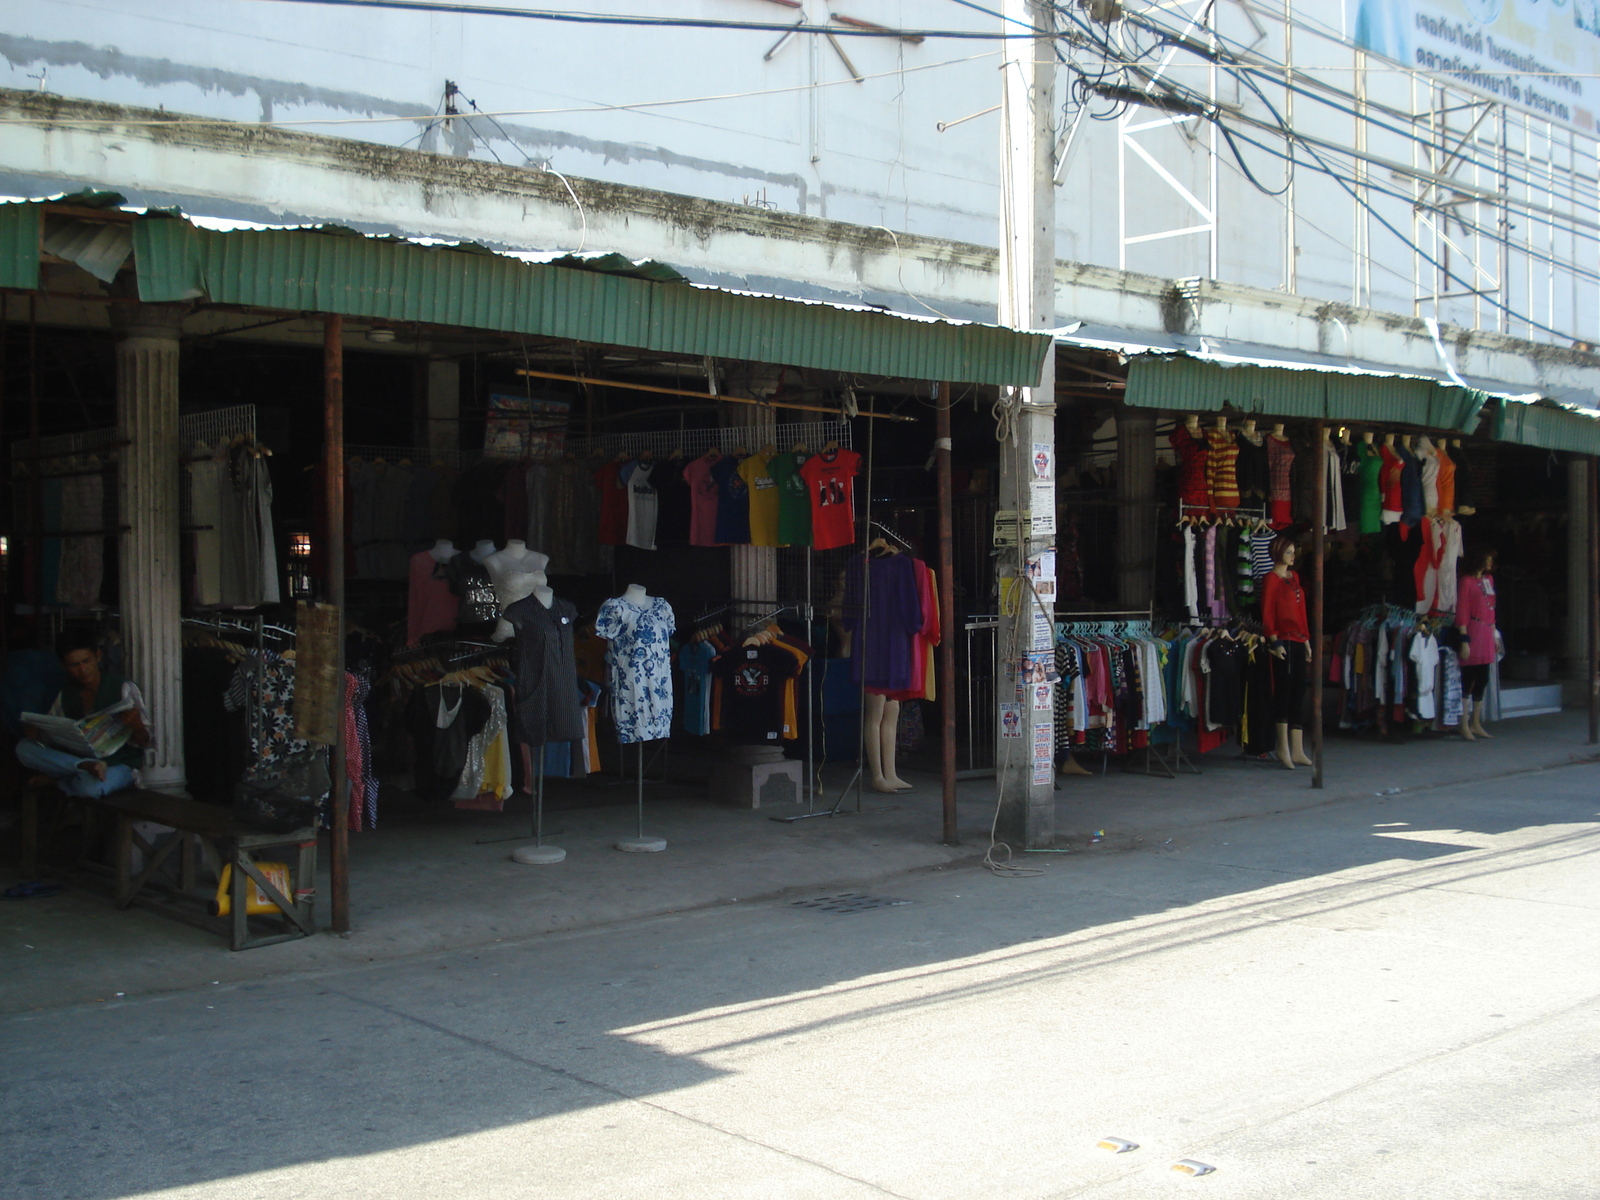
{"x":1475,"y":611}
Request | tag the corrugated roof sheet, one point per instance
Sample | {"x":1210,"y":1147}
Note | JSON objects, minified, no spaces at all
{"x":21,"y":229}
{"x":1547,"y":427}
{"x":1189,"y":384}
{"x":325,"y":271}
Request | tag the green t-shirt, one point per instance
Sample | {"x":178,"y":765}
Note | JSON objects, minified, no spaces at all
{"x":794,"y":500}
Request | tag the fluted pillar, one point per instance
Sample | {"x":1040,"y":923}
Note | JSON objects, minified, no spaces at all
{"x":151,"y":580}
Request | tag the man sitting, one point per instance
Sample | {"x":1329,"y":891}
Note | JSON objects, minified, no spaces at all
{"x":92,"y":689}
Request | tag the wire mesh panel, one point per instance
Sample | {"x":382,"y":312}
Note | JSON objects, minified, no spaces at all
{"x":217,"y":425}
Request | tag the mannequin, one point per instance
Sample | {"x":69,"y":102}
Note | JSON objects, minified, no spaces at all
{"x":1277,"y":430}
{"x":1192,"y":424}
{"x":513,"y":588}
{"x":431,"y":605}
{"x":516,"y":557}
{"x":1429,"y":466}
{"x":443,"y":550}
{"x":1249,"y":431}
{"x":881,"y":728}
{"x":639,"y":628}
{"x":1367,"y":437}
{"x":1283,"y":617}
{"x":1475,"y":619}
{"x":482,"y":550}
{"x":635,"y":595}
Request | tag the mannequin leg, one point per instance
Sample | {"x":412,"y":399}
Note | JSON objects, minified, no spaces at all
{"x":889,"y":732}
{"x":1297,"y":748}
{"x":1282,"y":753}
{"x":1465,"y":728}
{"x":1071,"y":766}
{"x":872,"y":734}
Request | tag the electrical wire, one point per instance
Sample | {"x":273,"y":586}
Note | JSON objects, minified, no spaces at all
{"x":580,"y":18}
{"x":177,"y":122}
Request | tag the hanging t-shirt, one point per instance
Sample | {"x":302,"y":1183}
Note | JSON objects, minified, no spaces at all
{"x":673,"y":503}
{"x":613,"y":504}
{"x":733,"y":503}
{"x":694,"y":660}
{"x":757,"y":475}
{"x":830,"y":485}
{"x":641,"y":503}
{"x":753,"y":679}
{"x":794,"y":504}
{"x":702,"y":499}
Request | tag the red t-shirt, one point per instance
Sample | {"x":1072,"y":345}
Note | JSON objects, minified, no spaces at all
{"x":830,"y":482}
{"x":613,"y":505}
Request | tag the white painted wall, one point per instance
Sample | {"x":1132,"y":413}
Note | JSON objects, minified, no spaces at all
{"x":864,"y":153}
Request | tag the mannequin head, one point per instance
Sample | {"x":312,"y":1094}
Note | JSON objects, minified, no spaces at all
{"x":1481,"y":563}
{"x":1283,"y":552}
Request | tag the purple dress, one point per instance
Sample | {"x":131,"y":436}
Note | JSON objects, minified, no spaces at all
{"x":883,"y":642}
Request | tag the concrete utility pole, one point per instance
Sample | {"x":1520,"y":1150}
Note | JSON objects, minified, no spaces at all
{"x":1025,"y":741}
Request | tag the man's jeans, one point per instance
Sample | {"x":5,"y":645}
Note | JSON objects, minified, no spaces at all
{"x":69,"y":777}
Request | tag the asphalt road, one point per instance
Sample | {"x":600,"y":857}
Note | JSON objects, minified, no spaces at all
{"x":1393,"y":997}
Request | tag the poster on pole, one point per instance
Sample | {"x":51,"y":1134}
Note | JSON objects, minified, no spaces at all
{"x":1540,"y":56}
{"x":1011,"y":720}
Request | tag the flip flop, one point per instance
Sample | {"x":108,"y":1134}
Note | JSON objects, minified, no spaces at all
{"x":38,"y":889}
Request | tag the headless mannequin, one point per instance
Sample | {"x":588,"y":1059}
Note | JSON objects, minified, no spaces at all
{"x":1277,"y":430}
{"x":880,"y":724}
{"x":1291,"y":748}
{"x":482,"y":550}
{"x":1367,"y":437}
{"x":635,"y":595}
{"x":443,"y":550}
{"x":513,"y":588}
{"x":1192,"y":424}
{"x":1249,"y":432}
{"x":515,"y":558}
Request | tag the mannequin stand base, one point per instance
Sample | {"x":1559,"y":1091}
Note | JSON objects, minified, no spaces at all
{"x":539,"y":856}
{"x":642,"y":845}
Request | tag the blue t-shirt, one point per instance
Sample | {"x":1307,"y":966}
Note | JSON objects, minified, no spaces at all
{"x":733,"y":502}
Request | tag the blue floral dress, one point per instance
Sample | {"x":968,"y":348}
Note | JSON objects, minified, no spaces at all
{"x":638,"y":666}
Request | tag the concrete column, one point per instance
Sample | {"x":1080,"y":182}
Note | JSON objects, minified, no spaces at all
{"x":151,"y":581}
{"x":1136,"y":509}
{"x":1575,"y":631}
{"x":442,"y":410}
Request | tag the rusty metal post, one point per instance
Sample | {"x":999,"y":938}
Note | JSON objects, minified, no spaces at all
{"x":1594,"y":600}
{"x":1318,"y":523}
{"x":947,"y":613}
{"x":333,"y":472}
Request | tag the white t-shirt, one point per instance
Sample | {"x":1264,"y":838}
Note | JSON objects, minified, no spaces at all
{"x":1425,"y":654}
{"x":643,"y":504}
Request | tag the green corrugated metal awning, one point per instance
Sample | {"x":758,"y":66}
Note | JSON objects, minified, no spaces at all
{"x":21,"y":231}
{"x":1187,"y":384}
{"x":313,"y":270}
{"x":1547,"y":427}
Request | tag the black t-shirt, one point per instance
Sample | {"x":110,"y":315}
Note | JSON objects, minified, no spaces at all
{"x":752,"y":692}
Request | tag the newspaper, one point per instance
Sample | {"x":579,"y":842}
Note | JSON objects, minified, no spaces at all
{"x":99,"y":735}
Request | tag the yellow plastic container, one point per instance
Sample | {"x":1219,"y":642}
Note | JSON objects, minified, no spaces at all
{"x":255,"y":904}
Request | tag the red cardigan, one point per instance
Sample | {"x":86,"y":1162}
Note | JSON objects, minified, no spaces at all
{"x":1283,"y":608}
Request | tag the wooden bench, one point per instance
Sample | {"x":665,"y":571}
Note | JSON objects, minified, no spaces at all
{"x":170,"y":888}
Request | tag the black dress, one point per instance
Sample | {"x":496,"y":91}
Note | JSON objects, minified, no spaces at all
{"x":548,"y":708}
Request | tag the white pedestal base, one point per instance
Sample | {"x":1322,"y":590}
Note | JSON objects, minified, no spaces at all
{"x":538,"y":856}
{"x":642,"y":845}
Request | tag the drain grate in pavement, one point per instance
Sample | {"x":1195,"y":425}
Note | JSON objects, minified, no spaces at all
{"x":848,"y":902}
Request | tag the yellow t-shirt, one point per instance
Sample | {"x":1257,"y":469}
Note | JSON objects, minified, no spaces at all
{"x":763,"y":499}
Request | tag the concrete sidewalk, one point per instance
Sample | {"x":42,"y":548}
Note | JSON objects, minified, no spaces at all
{"x":427,"y":884}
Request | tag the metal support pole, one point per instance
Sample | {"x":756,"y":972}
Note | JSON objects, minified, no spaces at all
{"x":1594,"y":600}
{"x":947,"y":593}
{"x":333,"y":469}
{"x":1318,"y":522}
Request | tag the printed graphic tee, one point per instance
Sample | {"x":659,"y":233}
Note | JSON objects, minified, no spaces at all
{"x":642,"y":504}
{"x":702,"y":500}
{"x":733,"y":502}
{"x":753,"y":679}
{"x":764,"y":499}
{"x":830,"y":486}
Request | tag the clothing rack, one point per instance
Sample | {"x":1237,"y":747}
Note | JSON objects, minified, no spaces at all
{"x":1258,"y":515}
{"x":696,"y":441}
{"x":217,"y":425}
{"x":421,"y":455}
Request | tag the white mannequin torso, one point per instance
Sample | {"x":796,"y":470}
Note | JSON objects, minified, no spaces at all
{"x":482,"y":550}
{"x":636,"y":595}
{"x":443,"y":550}
{"x":514,"y":587}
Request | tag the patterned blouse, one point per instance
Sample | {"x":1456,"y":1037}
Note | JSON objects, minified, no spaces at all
{"x":638,"y":666}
